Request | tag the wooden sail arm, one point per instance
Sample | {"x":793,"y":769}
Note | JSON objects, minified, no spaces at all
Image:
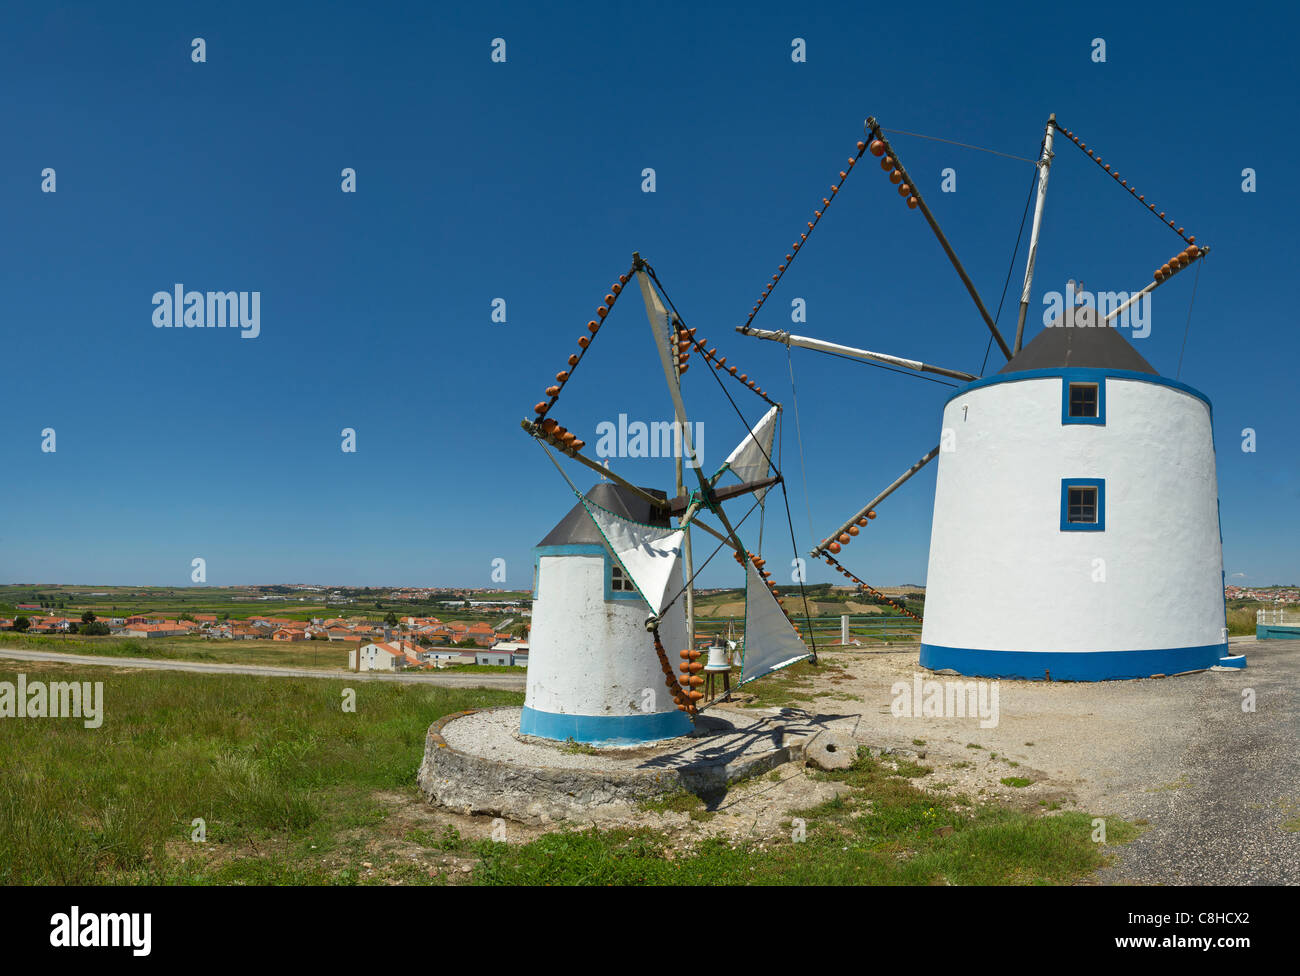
{"x":683,"y":503}
{"x":537,"y":431}
{"x":879,"y":136}
{"x":835,"y":539}
{"x":819,"y":345}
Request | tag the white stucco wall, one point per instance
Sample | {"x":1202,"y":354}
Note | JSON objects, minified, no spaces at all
{"x":1002,"y":573}
{"x":589,"y":656}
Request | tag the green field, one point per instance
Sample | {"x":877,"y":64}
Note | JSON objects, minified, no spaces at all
{"x":238,"y":603}
{"x":293,"y":789}
{"x":300,"y":654}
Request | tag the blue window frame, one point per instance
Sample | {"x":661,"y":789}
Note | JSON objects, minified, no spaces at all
{"x":1083,"y":504}
{"x":1083,"y":401}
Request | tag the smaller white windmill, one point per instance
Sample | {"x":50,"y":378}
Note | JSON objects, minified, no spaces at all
{"x":617,"y":566}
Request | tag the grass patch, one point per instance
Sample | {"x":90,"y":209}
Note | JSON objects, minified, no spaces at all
{"x":679,"y":802}
{"x":883,"y":831}
{"x":791,"y":687}
{"x":1019,"y":782}
{"x":574,"y":747}
{"x":272,"y":766}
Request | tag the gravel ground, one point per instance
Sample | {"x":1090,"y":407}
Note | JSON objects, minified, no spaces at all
{"x":1217,"y":786}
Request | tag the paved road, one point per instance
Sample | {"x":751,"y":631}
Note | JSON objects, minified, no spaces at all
{"x":456,"y":679}
{"x":1237,"y":819}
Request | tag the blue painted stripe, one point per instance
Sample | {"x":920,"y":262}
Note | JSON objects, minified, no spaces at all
{"x":1071,"y":665}
{"x":1080,"y":374}
{"x":613,"y":730}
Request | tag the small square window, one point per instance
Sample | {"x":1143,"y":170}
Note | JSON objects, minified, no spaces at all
{"x":619,"y":582}
{"x":1082,"y":505}
{"x":1083,"y":399}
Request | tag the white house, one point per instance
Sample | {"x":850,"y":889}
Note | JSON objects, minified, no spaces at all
{"x":442,"y":656}
{"x":375,"y":657}
{"x":516,"y":650}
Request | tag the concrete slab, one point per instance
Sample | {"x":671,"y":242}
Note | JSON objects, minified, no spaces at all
{"x":477,"y":762}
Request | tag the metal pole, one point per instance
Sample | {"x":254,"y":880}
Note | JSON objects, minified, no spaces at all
{"x":819,"y":345}
{"x":1044,"y":168}
{"x":934,"y":226}
{"x":821,"y":546}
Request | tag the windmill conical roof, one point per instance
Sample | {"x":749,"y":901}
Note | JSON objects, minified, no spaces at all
{"x":577,"y":527}
{"x":1077,"y":339}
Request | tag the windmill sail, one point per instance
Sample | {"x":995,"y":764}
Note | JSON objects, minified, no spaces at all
{"x":752,"y":458}
{"x":771,"y":642}
{"x":649,"y":554}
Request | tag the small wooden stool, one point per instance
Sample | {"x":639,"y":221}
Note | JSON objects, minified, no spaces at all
{"x":710,"y":676}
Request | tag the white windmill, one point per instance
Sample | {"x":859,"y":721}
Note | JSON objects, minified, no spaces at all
{"x":612,"y":658}
{"x":1076,"y":532}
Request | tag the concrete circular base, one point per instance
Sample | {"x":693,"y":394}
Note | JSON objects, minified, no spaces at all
{"x":477,"y":762}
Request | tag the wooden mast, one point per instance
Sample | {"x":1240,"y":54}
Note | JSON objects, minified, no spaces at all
{"x":1044,"y":167}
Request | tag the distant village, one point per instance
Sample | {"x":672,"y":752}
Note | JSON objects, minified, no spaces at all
{"x":1264,"y":594}
{"x":415,"y":642}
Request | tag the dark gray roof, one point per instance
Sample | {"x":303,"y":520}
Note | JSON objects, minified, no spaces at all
{"x":1086,"y":343}
{"x":577,"y":527}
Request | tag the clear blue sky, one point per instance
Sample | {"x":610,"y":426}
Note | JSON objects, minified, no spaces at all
{"x":522,"y":180}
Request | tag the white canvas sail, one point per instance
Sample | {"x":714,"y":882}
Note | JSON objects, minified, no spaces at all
{"x":752,"y":458}
{"x":647,"y":553}
{"x":661,"y":324}
{"x":771,"y":642}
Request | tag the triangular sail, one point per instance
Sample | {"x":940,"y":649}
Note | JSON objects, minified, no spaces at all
{"x":752,"y":458}
{"x":771,"y":642}
{"x":648,"y":554}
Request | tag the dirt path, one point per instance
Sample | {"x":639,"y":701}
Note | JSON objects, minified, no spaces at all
{"x":460,"y":679}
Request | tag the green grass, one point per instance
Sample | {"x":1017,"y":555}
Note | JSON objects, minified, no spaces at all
{"x":1241,"y":621}
{"x":884,"y":831}
{"x":679,"y":802}
{"x":296,"y":791}
{"x":1019,"y":782}
{"x":271,"y":764}
{"x":792,"y":687}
